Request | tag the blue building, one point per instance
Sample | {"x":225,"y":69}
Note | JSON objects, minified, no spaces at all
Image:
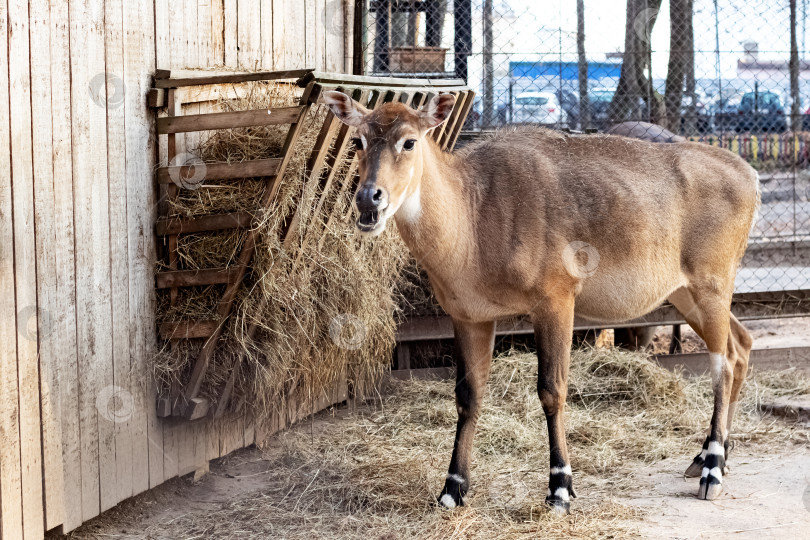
{"x":533,"y":76}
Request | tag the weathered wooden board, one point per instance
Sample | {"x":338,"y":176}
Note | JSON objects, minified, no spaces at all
{"x":11,"y":519}
{"x":64,"y":317}
{"x":231,"y":33}
{"x":249,"y":34}
{"x":139,"y":62}
{"x":25,"y":290}
{"x":46,"y":275}
{"x":120,"y":403}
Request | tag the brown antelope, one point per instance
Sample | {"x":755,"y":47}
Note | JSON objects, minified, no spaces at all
{"x":555,"y":226}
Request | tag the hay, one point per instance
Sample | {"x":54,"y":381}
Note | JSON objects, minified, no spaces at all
{"x":374,"y":474}
{"x":305,"y":297}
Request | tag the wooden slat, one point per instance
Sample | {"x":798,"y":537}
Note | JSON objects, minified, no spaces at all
{"x":205,"y":54}
{"x":227,"y":120}
{"x":310,"y":45}
{"x":91,"y":217}
{"x":248,"y":34}
{"x":229,"y":77}
{"x":24,"y":264}
{"x":163,"y":43}
{"x":47,"y":290}
{"x":187,"y":329}
{"x":294,"y":22}
{"x":217,"y":55}
{"x":336,"y":36}
{"x":360,"y":80}
{"x":451,"y":143}
{"x":11,"y":521}
{"x":221,"y":171}
{"x":266,"y":33}
{"x":190,"y":34}
{"x":176,"y":34}
{"x":64,"y":330}
{"x":231,"y":51}
{"x":216,"y":222}
{"x":190,"y":278}
{"x":121,"y":486}
{"x":139,"y":60}
{"x":280,"y":40}
{"x":456,"y":117}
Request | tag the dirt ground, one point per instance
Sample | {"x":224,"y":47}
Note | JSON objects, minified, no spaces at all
{"x":373,"y":473}
{"x":766,"y":497}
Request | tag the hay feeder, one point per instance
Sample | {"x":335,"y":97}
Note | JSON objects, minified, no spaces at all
{"x":325,"y":168}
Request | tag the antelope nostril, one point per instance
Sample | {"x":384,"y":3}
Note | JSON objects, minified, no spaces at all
{"x":378,"y":196}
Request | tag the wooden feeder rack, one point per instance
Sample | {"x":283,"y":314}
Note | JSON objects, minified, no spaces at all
{"x":168,"y":92}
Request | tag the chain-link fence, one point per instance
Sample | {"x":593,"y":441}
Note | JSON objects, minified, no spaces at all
{"x":731,"y":74}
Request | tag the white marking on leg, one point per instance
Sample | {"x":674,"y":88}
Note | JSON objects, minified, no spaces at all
{"x":447,"y":501}
{"x":715,"y":448}
{"x":561,"y":470}
{"x":717,"y":362}
{"x":714,"y":471}
{"x":562,"y":494}
{"x":456,"y":478}
{"x":559,"y":510}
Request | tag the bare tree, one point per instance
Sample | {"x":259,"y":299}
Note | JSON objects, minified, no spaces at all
{"x":635,"y":93}
{"x":681,"y":66}
{"x":584,"y":105}
{"x":795,"y":106}
{"x":489,"y":84}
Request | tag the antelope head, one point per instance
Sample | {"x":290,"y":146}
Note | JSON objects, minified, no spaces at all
{"x":391,"y":143}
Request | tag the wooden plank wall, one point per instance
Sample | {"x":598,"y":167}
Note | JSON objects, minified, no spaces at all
{"x":78,"y":430}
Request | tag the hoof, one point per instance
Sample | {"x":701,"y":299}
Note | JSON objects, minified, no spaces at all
{"x":449,"y":502}
{"x":709,"y":491}
{"x":711,"y":476}
{"x":560,"y":500}
{"x":455,"y":487}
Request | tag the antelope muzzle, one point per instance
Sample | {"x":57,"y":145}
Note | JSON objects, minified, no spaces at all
{"x":371,"y":202}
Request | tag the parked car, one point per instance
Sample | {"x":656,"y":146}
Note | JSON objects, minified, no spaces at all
{"x":570,"y":104}
{"x":725,"y":113}
{"x":538,"y":108}
{"x":599,"y":101}
{"x":761,"y":111}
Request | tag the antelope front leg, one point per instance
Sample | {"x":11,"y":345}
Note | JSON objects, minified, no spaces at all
{"x":474,"y":344}
{"x":553,"y":328}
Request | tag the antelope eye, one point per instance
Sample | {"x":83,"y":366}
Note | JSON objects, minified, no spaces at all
{"x":358,"y":143}
{"x":409,"y":144}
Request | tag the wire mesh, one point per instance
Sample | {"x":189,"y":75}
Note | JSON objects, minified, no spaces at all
{"x":730,"y":74}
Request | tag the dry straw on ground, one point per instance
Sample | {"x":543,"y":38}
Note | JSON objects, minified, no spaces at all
{"x":306,"y":296}
{"x":373,"y":474}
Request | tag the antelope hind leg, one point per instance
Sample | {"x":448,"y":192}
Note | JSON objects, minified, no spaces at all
{"x":707,"y":312}
{"x":553,"y":329}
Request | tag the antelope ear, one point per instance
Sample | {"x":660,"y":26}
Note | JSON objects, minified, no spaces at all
{"x":437,"y":111}
{"x":345,"y":108}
